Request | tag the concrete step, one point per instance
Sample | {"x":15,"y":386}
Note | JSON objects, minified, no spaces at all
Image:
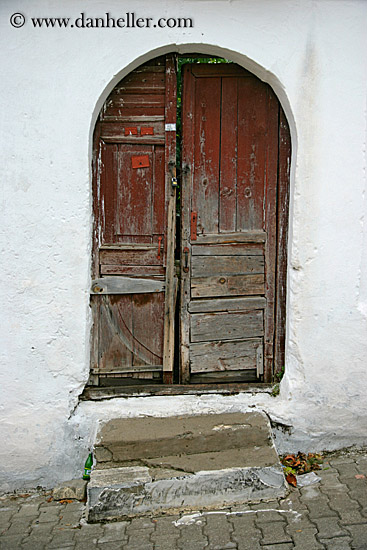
{"x":148,"y":465}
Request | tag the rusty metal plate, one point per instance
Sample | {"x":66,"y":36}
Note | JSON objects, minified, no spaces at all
{"x":140,"y":162}
{"x":131,"y":131}
{"x":147,"y":131}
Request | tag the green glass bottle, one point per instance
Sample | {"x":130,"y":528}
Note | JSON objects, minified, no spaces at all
{"x":88,"y":467}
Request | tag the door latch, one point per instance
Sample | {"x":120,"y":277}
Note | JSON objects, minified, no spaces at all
{"x":193,"y":227}
{"x":159,"y":247}
{"x":186,"y":259}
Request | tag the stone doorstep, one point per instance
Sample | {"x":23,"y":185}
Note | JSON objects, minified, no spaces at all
{"x":124,"y":492}
{"x":183,"y":463}
{"x":122,"y":440}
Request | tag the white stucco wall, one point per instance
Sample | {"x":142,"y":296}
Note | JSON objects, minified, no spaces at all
{"x":53,"y":82}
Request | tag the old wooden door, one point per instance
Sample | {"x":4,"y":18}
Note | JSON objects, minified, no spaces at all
{"x":235,"y":158}
{"x":134,"y":159}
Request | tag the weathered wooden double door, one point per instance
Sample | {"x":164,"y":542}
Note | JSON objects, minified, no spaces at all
{"x":217,"y":313}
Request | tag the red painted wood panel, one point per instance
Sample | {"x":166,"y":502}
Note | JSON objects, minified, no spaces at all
{"x":134,"y":192}
{"x":252,"y":139}
{"x":205,"y":189}
{"x":228,"y":155}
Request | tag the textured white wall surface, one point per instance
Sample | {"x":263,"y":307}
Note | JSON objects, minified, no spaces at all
{"x":53,"y":83}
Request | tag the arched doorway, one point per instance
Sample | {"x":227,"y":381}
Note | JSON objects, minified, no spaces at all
{"x":216,"y":313}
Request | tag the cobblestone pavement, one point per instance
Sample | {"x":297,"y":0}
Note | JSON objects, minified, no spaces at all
{"x":329,"y":515}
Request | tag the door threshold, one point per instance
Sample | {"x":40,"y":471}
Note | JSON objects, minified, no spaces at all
{"x":93,"y":393}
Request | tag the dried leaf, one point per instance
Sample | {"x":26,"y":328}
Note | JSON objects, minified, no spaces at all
{"x":66,"y":501}
{"x":289,"y":457}
{"x":292,"y":480}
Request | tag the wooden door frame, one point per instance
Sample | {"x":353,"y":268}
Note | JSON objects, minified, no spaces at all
{"x":283,"y":190}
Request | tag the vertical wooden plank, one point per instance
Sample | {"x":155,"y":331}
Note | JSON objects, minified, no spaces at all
{"x":282,"y":239}
{"x":169,"y":308}
{"x":205,"y":191}
{"x":107,"y":192}
{"x":159,"y":184}
{"x":228,"y":156}
{"x":271,"y":176}
{"x":115,"y":333}
{"x":188,"y":129}
{"x":252,"y":139}
{"x":133,"y":210}
{"x":96,"y":190}
{"x":147,"y":343}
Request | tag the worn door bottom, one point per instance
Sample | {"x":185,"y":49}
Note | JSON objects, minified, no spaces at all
{"x":98,"y":393}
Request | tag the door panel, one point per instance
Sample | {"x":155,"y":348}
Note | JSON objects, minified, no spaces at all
{"x":230,"y":164}
{"x":132,"y":193}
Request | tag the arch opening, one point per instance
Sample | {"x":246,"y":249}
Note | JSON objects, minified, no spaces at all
{"x":230,"y":248}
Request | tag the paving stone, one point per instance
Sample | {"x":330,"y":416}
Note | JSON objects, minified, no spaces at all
{"x":269,"y":516}
{"x":350,"y":517}
{"x":69,"y":520}
{"x":65,"y":537}
{"x":167,"y":537}
{"x":274,"y":533}
{"x":318,"y":506}
{"x":73,"y":507}
{"x":286,"y":546}
{"x":305,"y":539}
{"x":139,"y":542}
{"x":5,"y":518}
{"x":299,"y":521}
{"x":346,"y":470}
{"x":339,"y":543}
{"x":193,"y":531}
{"x":87,"y":543}
{"x":11,"y":542}
{"x":35,"y":543}
{"x":361,"y":464}
{"x":220,"y":538}
{"x":137,"y":524}
{"x":49,"y":503}
{"x":19,"y":527}
{"x":329,"y":528}
{"x":92,"y":532}
{"x":165,"y":525}
{"x":245,"y":532}
{"x":41,"y":529}
{"x":113,"y":532}
{"x":292,"y":502}
{"x":359,"y":535}
{"x":192,"y":536}
{"x":188,"y":544}
{"x":142,"y":537}
{"x":111,"y":545}
{"x":28,"y":510}
{"x":48,"y":515}
{"x":165,"y":544}
{"x":360,"y":496}
{"x":332,"y":483}
{"x":336,"y":460}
